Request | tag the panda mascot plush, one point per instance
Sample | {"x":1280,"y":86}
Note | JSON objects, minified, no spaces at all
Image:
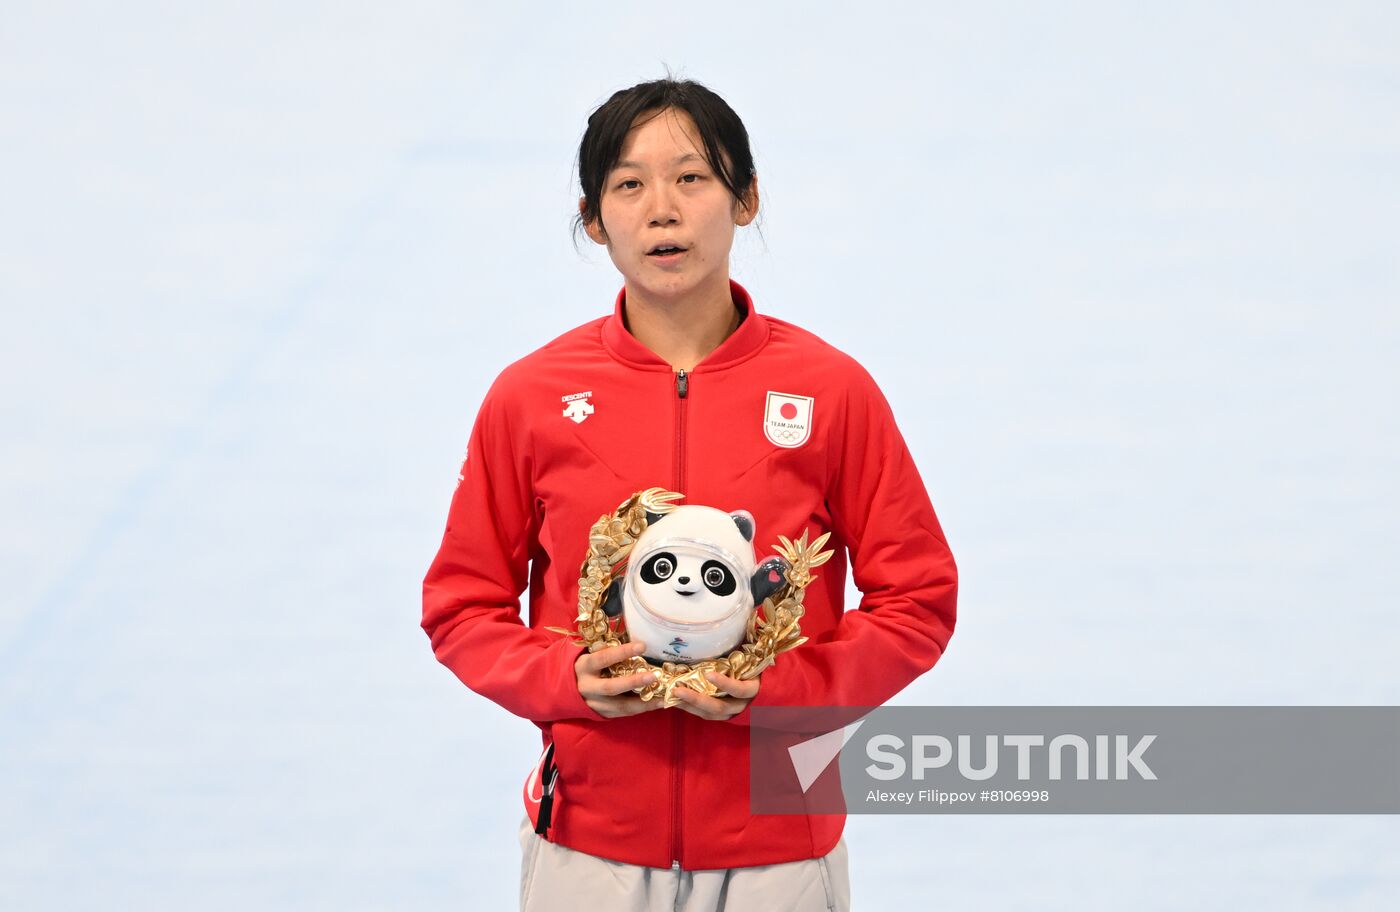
{"x":692,"y":583}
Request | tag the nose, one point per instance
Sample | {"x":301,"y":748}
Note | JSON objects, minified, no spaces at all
{"x":683,"y":580}
{"x":663,"y":207}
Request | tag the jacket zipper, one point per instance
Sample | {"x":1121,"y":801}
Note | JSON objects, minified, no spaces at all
{"x":682,"y":390}
{"x":677,"y":741}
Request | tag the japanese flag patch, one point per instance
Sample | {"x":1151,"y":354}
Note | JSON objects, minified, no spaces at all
{"x":787,"y":419}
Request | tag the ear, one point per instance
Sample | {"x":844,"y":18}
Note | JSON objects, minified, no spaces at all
{"x":612,"y":602}
{"x":744,"y":520}
{"x":654,"y":518}
{"x":748,"y":210}
{"x":593,"y":229}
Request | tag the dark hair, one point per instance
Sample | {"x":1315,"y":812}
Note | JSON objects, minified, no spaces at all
{"x":720,"y":130}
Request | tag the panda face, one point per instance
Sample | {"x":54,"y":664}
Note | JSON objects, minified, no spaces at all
{"x":665,"y":566}
{"x":688,"y":584}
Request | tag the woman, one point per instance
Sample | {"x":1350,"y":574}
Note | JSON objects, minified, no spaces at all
{"x":685,"y":386}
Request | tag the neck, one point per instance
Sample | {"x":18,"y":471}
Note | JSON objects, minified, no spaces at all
{"x":682,"y":331}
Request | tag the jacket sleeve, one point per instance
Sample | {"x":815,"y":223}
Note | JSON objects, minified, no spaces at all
{"x":471,"y":594}
{"x":900,"y":561}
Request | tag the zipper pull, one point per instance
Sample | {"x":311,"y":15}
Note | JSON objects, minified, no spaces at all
{"x":681,"y":384}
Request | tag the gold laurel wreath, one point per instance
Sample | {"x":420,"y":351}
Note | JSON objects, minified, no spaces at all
{"x":776,"y":630}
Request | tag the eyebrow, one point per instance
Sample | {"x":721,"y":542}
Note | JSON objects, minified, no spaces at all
{"x":680,"y":158}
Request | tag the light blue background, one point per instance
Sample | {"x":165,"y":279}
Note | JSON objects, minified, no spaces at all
{"x":1128,"y":277}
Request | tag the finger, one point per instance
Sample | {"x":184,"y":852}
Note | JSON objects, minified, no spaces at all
{"x":685,"y":700}
{"x":706,"y":706}
{"x":594,"y":662}
{"x":616,"y":707}
{"x":686,"y":707}
{"x":631,"y":705}
{"x":733,"y":687}
{"x":595,"y":686}
{"x":726,"y":710}
{"x":609,"y":687}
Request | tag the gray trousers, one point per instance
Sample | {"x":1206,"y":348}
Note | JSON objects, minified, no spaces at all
{"x":553,"y":877}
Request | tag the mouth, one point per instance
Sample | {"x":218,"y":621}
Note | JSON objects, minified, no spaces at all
{"x":684,"y":592}
{"x":665,"y":251}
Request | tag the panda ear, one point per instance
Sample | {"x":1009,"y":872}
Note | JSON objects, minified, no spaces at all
{"x":744,"y":520}
{"x":654,"y":518}
{"x":612,"y":602}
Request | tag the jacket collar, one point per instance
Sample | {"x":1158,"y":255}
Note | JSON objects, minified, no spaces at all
{"x":741,"y":344}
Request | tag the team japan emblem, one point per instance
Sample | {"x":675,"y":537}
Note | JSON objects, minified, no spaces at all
{"x":787,"y":419}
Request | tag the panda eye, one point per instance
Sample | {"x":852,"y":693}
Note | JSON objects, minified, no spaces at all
{"x":658,"y":568}
{"x":719,"y":578}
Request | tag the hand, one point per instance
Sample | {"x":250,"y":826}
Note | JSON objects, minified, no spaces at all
{"x":733,"y":696}
{"x":612,"y":697}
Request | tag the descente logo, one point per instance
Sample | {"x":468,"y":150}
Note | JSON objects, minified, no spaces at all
{"x":577,"y":407}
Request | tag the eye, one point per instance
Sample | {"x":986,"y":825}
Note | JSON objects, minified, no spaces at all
{"x":630,"y":180}
{"x":718,"y":578}
{"x":696,"y":176}
{"x":658,"y":567}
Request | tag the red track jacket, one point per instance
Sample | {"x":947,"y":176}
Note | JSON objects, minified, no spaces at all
{"x":774,"y":421}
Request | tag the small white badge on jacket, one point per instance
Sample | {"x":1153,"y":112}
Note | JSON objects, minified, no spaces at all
{"x":577,"y":406}
{"x":787,"y":419}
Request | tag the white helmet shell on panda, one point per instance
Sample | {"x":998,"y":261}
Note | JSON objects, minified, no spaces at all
{"x":687,"y":593}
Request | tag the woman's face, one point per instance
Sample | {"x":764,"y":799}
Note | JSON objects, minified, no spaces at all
{"x":662,"y":191}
